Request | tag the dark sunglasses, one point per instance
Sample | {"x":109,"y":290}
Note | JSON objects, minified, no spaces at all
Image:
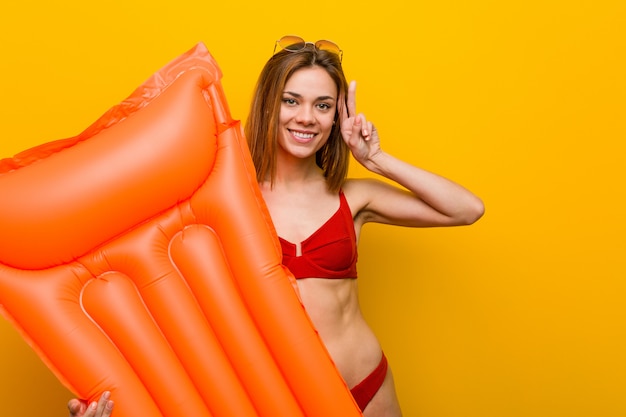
{"x":295,"y":43}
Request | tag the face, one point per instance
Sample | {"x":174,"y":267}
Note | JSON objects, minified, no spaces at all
{"x":307,"y":112}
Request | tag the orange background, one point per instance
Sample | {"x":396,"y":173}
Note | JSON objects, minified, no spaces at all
{"x":522,"y":101}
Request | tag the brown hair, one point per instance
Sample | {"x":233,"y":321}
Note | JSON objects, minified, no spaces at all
{"x":261,"y":128}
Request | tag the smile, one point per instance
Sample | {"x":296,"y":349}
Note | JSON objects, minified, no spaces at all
{"x":302,"y":135}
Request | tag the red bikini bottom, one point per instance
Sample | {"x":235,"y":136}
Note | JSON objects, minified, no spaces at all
{"x":365,"y":390}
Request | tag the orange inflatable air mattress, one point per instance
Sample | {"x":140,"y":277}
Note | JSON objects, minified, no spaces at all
{"x":138,"y":257}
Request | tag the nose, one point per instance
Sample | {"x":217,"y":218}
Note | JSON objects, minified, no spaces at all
{"x":305,"y":115}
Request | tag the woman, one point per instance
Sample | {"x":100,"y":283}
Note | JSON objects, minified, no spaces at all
{"x":301,"y":130}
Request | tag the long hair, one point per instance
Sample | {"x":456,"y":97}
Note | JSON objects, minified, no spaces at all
{"x":261,"y":128}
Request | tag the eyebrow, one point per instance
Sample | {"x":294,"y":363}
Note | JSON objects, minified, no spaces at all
{"x":296,"y":95}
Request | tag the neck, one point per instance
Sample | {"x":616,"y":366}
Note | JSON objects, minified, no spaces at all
{"x":296,"y":171}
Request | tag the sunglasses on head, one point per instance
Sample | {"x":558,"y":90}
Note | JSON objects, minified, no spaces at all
{"x":295,"y":43}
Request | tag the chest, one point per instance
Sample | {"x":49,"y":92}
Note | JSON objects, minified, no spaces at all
{"x":328,"y":251}
{"x":296,"y":219}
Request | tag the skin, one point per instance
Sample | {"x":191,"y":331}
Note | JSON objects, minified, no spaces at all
{"x":101,"y":408}
{"x":300,"y":202}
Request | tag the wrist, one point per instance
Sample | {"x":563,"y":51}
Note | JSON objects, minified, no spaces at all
{"x":378,"y":163}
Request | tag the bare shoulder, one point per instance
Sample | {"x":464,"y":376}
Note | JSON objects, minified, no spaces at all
{"x":363,"y":195}
{"x":357,"y":192}
{"x":373,"y":200}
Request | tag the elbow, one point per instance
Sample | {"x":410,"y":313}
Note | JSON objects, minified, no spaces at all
{"x":473,"y":212}
{"x":468,"y":213}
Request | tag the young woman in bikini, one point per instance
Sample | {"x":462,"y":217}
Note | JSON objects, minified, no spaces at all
{"x":301,"y":130}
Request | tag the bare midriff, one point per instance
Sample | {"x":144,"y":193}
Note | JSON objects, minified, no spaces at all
{"x":333,"y":306}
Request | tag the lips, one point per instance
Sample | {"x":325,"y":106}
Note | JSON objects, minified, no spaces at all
{"x":302,"y":137}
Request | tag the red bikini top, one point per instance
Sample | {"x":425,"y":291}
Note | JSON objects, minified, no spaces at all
{"x":330,"y":252}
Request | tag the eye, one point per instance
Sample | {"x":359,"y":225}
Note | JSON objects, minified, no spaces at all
{"x":324,"y":106}
{"x":290,"y":101}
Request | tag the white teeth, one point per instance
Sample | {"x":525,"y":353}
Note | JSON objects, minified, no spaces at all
{"x":303,"y":135}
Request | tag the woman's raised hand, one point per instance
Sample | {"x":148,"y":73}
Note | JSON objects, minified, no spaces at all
{"x":359,"y":134}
